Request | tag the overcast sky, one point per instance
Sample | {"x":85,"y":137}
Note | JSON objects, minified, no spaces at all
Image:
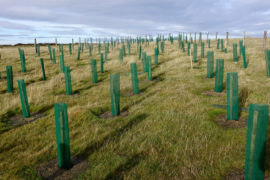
{"x":22,"y":20}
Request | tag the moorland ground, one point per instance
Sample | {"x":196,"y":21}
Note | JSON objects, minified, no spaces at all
{"x":168,"y":131}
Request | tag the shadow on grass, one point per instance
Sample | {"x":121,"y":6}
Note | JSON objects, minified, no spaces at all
{"x":131,"y":162}
{"x":13,"y":118}
{"x":114,"y":136}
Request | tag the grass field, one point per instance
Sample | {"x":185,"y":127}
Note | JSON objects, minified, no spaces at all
{"x":167,"y":131}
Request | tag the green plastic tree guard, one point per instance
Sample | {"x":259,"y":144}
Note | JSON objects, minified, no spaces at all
{"x":129,"y":48}
{"x":209,"y":43}
{"x":94,"y":71}
{"x":70,"y":48}
{"x":232,"y":96}
{"x":50,"y":51}
{"x":38,"y":50}
{"x":79,"y":53}
{"x":218,"y":43}
{"x":68,"y":80}
{"x":134,"y":78}
{"x":62,"y":135}
{"x":256,"y":141}
{"x":222,"y":45}
{"x":115,"y":93}
{"x":219,"y":75}
{"x":54,"y":58}
{"x":156,"y":56}
{"x":140,"y":52}
{"x":235,"y":57}
{"x":244,"y":56}
{"x":240,"y":47}
{"x":43,"y":69}
{"x":124,"y":50}
{"x":144,"y":62}
{"x":210,"y":64}
{"x":62,"y":63}
{"x":202,"y":50}
{"x":183,"y":46}
{"x":149,"y":68}
{"x":267,"y":59}
{"x":9,"y":79}
{"x":22,"y":59}
{"x":90,"y":51}
{"x":195,"y":52}
{"x":101,"y":63}
{"x":188,"y":48}
{"x":162,"y":47}
{"x":24,"y":99}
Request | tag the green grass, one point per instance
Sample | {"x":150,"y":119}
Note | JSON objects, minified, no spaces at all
{"x":169,"y":132}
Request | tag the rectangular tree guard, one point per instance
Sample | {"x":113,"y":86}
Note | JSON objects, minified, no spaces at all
{"x":202,"y":50}
{"x":267,"y":59}
{"x":9,"y":78}
{"x":149,"y":68}
{"x":62,"y":63}
{"x":54,"y":58}
{"x":194,"y":52}
{"x":144,"y":62}
{"x":70,"y":49}
{"x":43,"y":69}
{"x":62,"y":135}
{"x":79,"y":53}
{"x":256,"y":141}
{"x":50,"y":51}
{"x":235,"y":57}
{"x":156,"y":56}
{"x":68,"y":81}
{"x":240,"y":47}
{"x":244,"y":56}
{"x":24,"y":99}
{"x":219,"y":75}
{"x":232,"y":96}
{"x":94,"y":71}
{"x":115,"y":93}
{"x":101,"y":62}
{"x":134,"y":78}
{"x":210,"y":64}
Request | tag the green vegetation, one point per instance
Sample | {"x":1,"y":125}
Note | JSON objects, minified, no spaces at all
{"x":165,"y":132}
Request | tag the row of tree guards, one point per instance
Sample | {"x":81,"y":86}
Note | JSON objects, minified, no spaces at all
{"x":258,"y":114}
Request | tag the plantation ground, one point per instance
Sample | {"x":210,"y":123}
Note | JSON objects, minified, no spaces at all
{"x":166,"y":132}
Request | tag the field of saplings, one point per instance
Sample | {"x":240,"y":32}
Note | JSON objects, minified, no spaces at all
{"x":168,"y":107}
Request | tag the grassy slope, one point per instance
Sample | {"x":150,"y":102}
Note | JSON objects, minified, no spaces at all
{"x":169,"y":132}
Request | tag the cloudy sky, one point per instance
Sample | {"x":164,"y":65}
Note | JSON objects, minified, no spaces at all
{"x":22,"y":20}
